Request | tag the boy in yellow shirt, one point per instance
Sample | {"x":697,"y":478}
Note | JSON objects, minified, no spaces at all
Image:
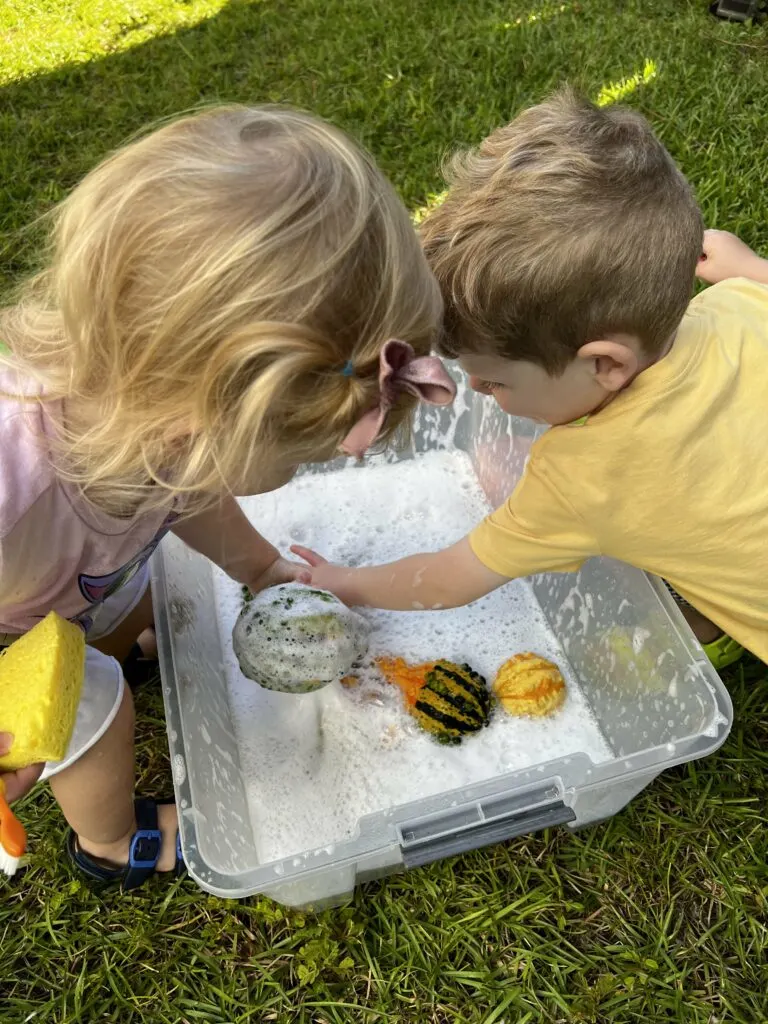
{"x":566,"y":252}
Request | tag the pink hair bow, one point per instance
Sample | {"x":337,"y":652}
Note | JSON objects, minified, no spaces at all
{"x":400,"y":370}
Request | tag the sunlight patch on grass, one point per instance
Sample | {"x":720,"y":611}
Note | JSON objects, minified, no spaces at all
{"x":544,"y":12}
{"x":614,"y":92}
{"x":40,"y":37}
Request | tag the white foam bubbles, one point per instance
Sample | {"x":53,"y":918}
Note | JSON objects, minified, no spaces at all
{"x":315,"y":764}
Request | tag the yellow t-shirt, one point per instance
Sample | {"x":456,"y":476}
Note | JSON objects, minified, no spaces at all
{"x":671,"y":477}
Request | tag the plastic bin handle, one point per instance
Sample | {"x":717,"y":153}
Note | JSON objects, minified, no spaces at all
{"x":417,"y":852}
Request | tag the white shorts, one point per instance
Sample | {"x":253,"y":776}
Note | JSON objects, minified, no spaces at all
{"x":103,"y":684}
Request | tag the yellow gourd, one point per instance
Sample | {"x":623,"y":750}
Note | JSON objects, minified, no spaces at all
{"x":528,"y":684}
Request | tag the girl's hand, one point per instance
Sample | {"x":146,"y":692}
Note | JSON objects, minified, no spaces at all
{"x":280,"y":571}
{"x":17,"y":784}
{"x":726,"y":256}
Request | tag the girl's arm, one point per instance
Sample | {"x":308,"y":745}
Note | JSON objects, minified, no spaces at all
{"x":727,"y":256}
{"x":441,"y":579}
{"x":223,"y":534}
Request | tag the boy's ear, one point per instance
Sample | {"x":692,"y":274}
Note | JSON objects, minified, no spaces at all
{"x":614,"y":364}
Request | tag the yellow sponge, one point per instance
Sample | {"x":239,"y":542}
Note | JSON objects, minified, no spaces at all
{"x":41,"y":676}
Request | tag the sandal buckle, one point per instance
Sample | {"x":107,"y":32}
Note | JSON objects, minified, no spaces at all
{"x":145,"y":848}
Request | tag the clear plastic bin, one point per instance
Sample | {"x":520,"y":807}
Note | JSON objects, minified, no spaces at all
{"x":652,"y":690}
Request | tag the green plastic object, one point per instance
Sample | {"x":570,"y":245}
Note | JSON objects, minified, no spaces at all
{"x":723,"y":652}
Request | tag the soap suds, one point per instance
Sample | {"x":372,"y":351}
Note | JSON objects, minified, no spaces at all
{"x":314,"y":764}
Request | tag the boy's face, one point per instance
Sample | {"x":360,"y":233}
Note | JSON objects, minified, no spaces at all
{"x":525,"y":389}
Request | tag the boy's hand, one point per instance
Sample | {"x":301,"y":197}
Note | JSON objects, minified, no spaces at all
{"x":17,"y":784}
{"x":325,"y":575}
{"x":726,"y":256}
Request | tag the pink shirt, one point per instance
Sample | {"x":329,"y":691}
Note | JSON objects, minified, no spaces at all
{"x":57,"y":552}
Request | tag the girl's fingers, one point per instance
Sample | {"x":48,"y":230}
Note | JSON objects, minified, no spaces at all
{"x":311,"y":557}
{"x":18,"y":783}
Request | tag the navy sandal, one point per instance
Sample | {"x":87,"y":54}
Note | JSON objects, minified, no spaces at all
{"x":144,"y":851}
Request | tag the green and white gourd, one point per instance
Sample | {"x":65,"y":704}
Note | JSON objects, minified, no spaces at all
{"x":297,"y":639}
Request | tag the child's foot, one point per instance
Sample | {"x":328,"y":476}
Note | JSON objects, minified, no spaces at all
{"x":151,"y":847}
{"x":116,"y":855}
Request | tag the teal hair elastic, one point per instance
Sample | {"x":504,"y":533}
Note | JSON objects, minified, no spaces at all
{"x":348,"y":369}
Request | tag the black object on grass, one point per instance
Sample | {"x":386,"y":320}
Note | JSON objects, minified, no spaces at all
{"x":737,"y":10}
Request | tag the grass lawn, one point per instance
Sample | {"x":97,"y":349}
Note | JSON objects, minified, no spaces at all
{"x":658,"y":915}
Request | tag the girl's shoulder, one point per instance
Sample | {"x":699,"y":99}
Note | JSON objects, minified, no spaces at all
{"x":25,"y":463}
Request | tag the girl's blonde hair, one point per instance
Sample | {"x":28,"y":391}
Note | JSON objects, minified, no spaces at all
{"x":206,"y":288}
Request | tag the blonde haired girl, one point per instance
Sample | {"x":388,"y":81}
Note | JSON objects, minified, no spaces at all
{"x":233,"y":295}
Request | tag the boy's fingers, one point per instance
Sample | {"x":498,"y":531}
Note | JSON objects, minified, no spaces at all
{"x":300,"y":573}
{"x":309,"y":556}
{"x":6,"y":742}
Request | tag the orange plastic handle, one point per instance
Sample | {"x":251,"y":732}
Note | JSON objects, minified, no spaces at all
{"x":13,"y":838}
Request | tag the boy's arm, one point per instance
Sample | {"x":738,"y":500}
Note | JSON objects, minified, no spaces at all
{"x":223,"y":534}
{"x":535,"y":530}
{"x":449,"y":578}
{"x":726,"y":256}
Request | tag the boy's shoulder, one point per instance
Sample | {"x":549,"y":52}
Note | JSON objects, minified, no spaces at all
{"x":738,"y":296}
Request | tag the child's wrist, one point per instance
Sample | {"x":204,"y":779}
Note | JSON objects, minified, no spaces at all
{"x":344,"y":584}
{"x":250,"y":570}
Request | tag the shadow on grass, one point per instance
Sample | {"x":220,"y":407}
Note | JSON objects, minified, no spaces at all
{"x":410,"y":81}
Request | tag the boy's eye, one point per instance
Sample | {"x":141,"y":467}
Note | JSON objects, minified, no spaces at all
{"x":491,"y":385}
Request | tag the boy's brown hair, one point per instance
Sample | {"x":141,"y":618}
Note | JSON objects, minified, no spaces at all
{"x":568,"y":225}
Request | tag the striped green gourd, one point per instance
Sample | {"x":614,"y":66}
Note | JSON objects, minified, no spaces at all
{"x":454,"y":701}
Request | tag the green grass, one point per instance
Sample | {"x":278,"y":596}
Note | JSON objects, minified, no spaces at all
{"x":659,"y":914}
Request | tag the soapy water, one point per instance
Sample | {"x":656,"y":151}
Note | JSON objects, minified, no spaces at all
{"x":314,"y":764}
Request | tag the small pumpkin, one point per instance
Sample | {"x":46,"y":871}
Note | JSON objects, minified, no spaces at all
{"x":297,"y":639}
{"x":528,"y":684}
{"x":446,"y":699}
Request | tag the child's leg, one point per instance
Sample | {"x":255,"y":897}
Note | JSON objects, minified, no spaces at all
{"x":121,"y":639}
{"x":94,"y":785}
{"x":96,"y":790}
{"x":706,"y":631}
{"x":130,"y":640}
{"x":721,"y":649}
{"x":95,"y":794}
